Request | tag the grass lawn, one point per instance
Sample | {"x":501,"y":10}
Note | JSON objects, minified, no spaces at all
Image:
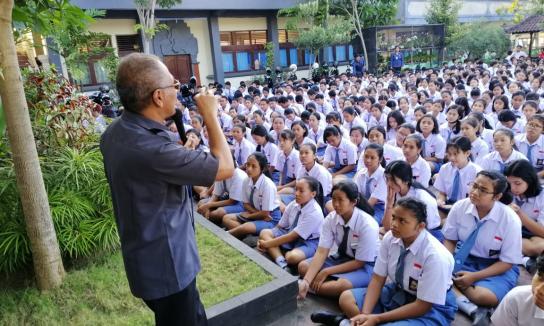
{"x":98,"y":293}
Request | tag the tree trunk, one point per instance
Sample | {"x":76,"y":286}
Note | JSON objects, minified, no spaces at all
{"x":364,"y":51}
{"x":146,"y":42}
{"x":39,"y":225}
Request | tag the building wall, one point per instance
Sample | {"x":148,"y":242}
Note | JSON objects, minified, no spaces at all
{"x":114,"y":27}
{"x":413,"y":11}
{"x":199,"y":29}
{"x":230,"y":24}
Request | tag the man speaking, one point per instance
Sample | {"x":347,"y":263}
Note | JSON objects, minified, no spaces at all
{"x":150,"y":178}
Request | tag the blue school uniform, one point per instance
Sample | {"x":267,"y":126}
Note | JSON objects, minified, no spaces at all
{"x":373,"y":186}
{"x":232,"y":189}
{"x":421,"y":271}
{"x":261,"y":195}
{"x":496,"y":237}
{"x":341,"y":156}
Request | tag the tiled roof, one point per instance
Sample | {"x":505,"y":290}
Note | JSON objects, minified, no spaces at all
{"x":530,"y":24}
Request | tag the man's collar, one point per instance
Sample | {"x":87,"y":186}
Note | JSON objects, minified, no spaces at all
{"x":142,"y":121}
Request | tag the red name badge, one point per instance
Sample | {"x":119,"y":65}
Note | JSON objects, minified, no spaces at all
{"x":498,"y":238}
{"x":355,"y":235}
{"x":416,"y":265}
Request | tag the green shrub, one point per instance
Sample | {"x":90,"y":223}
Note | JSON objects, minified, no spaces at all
{"x":73,"y":173}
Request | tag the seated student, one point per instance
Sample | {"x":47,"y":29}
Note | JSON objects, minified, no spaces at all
{"x":531,"y":144}
{"x":315,"y":133}
{"x":470,"y":128}
{"x":357,"y":137}
{"x":403,"y":131}
{"x":278,"y":125}
{"x":529,"y":206}
{"x":311,"y":168}
{"x":530,"y":108}
{"x":334,"y":119}
{"x":341,"y":155}
{"x":266,"y":146}
{"x":226,"y":198}
{"x":522,"y":306}
{"x":394,"y":121}
{"x":242,"y":147}
{"x":377,"y":117}
{"x":453,"y":180}
{"x":355,"y":233}
{"x":352,"y":119}
{"x":261,"y":210}
{"x":301,"y":134}
{"x":504,"y":153}
{"x":434,"y":146}
{"x":452,"y":126}
{"x":508,"y":120}
{"x":376,"y":135}
{"x":371,"y":180}
{"x":287,"y":162}
{"x":297,"y":233}
{"x":408,"y":255}
{"x":485,"y":129}
{"x":400,"y":184}
{"x":412,"y":148}
{"x":490,"y":235}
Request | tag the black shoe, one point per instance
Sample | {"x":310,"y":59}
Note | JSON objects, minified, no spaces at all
{"x":480,"y":317}
{"x":327,"y":318}
{"x":530,"y":266}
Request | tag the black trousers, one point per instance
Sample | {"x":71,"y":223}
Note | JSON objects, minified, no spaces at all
{"x":179,"y":309}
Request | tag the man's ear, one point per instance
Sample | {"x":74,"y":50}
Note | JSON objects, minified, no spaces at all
{"x":158,"y":97}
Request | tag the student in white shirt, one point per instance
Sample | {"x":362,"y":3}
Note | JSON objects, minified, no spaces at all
{"x":355,"y":233}
{"x":433,"y":145}
{"x":452,"y":127}
{"x":404,"y":130}
{"x":351,"y":119}
{"x":226,"y":198}
{"x":485,"y":129}
{"x":300,"y":130}
{"x":531,"y":144}
{"x":507,"y":119}
{"x":404,"y":108}
{"x":400,"y":184}
{"x":420,"y":292}
{"x":504,"y":153}
{"x":357,"y":137}
{"x":490,"y":233}
{"x":341,"y":155}
{"x":261,"y":209}
{"x":287,"y":162}
{"x":394,"y":121}
{"x":310,"y":167}
{"x":242,"y":147}
{"x":454,"y":179}
{"x":529,"y":206}
{"x":470,"y":129}
{"x":265,"y":145}
{"x":371,"y":180}
{"x":315,"y":133}
{"x":411,"y":148}
{"x":377,"y":116}
{"x":297,"y":232}
{"x":376,"y":135}
{"x":521,"y":306}
{"x":278,"y":124}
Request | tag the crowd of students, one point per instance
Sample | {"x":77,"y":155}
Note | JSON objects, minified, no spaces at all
{"x":407,"y":196}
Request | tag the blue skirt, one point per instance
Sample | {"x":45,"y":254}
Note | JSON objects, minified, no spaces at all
{"x":379,"y":210}
{"x":321,"y":151}
{"x":438,"y":315}
{"x":358,"y":278}
{"x":349,"y":175}
{"x":286,"y":199}
{"x":234,"y":208}
{"x":501,"y":284}
{"x":261,"y":225}
{"x":308,"y":247}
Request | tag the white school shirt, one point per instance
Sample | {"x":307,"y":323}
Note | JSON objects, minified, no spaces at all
{"x":533,"y":207}
{"x":225,"y":121}
{"x":319,"y":172}
{"x":446,"y":175}
{"x":427,"y":261}
{"x":360,"y":149}
{"x":479,"y":149}
{"x":435,"y":146}
{"x":317,"y":136}
{"x":537,"y":157}
{"x":234,"y":185}
{"x":348,"y":153}
{"x":409,"y":116}
{"x":392,"y":153}
{"x":325,"y":108}
{"x":518,"y":128}
{"x":499,"y":237}
{"x":391,"y":135}
{"x":275,"y":136}
{"x":271,"y":151}
{"x":433,"y":218}
{"x":356,"y":122}
{"x":487,"y":136}
{"x":363,"y":238}
{"x":447,"y":133}
{"x":421,"y":171}
{"x":293,"y":163}
{"x":491,"y":160}
{"x":244,"y":149}
{"x":378,"y":184}
{"x":517,"y":308}
{"x":309,"y":222}
{"x":375,"y":122}
{"x":264,"y":197}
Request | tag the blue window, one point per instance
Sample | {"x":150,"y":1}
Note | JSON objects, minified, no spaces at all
{"x":309,"y":57}
{"x":243,"y":60}
{"x":351,"y":52}
{"x":340,"y":53}
{"x":228,"y":62}
{"x":283,"y":57}
{"x":261,"y":56}
{"x":328,"y":54}
{"x":293,"y":56}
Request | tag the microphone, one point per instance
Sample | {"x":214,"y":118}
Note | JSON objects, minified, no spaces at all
{"x":178,"y":120}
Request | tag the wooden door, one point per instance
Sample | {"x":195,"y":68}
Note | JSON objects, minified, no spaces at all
{"x":179,"y":66}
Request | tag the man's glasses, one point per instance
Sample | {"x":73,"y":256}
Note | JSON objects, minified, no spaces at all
{"x":176,"y":85}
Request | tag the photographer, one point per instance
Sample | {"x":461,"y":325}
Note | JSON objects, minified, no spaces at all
{"x":150,"y":178}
